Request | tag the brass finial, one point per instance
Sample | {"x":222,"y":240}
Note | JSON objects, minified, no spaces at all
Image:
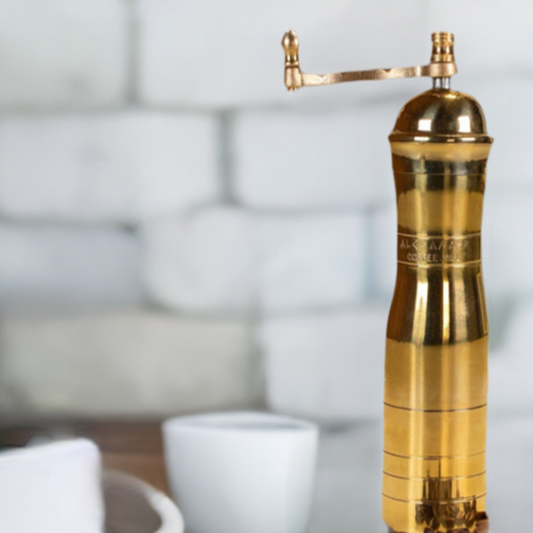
{"x":442,"y":48}
{"x":290,"y":45}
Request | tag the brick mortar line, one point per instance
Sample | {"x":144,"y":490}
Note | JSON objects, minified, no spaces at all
{"x":132,"y":55}
{"x":226,"y":158}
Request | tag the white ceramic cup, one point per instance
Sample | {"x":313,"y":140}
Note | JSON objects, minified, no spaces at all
{"x":242,"y":472}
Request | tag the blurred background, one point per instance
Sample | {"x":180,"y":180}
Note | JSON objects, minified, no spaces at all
{"x":179,"y":234}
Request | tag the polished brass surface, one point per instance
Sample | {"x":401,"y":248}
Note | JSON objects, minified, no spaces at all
{"x":442,"y":65}
{"x":436,"y":350}
{"x":435,"y":404}
{"x":428,"y":118}
{"x":442,"y":47}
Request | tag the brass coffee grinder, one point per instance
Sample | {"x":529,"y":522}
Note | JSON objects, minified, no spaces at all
{"x":436,"y":347}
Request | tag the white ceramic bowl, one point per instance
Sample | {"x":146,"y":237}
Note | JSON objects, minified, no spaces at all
{"x":133,"y":506}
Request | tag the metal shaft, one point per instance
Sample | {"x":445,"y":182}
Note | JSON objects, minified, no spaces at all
{"x":441,"y":83}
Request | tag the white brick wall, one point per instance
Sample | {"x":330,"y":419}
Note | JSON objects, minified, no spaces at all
{"x":506,"y":102}
{"x":63,"y":53}
{"x":122,"y":364}
{"x":491,"y":37}
{"x":326,"y":365}
{"x":511,"y":366}
{"x":120,"y":167}
{"x":229,"y":260}
{"x":43,"y":267}
{"x":170,"y":118}
{"x":383,"y":235}
{"x":311,"y":261}
{"x":510,"y":243}
{"x":228,"y":54}
{"x":315,"y":160}
{"x":201,"y":263}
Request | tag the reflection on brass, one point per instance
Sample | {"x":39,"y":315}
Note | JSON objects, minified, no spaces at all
{"x":436,"y":351}
{"x":435,"y":405}
{"x":442,"y":65}
{"x":442,"y":507}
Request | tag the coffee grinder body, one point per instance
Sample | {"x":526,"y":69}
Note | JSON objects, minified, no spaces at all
{"x":437,"y":335}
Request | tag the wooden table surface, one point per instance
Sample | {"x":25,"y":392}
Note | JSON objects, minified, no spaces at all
{"x":132,"y":447}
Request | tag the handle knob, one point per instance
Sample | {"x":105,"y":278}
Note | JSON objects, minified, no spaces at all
{"x":291,"y":45}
